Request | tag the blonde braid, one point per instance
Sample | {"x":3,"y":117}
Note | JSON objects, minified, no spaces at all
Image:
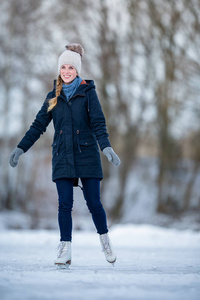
{"x":53,"y":101}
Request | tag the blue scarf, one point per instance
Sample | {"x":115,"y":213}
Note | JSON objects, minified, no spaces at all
{"x":70,"y":89}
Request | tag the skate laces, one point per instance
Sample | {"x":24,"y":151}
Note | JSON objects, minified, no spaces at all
{"x":62,"y":249}
{"x":106,"y":245}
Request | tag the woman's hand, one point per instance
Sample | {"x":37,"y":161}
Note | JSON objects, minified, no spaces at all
{"x":112,"y":156}
{"x":14,"y":157}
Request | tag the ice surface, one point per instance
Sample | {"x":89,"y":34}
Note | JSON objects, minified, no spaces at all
{"x":153,"y":263}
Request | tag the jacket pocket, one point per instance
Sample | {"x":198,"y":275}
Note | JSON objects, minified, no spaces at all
{"x":57,"y":142}
{"x":84,"y":139}
{"x":87,"y":142}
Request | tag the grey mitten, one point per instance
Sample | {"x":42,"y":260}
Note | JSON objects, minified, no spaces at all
{"x":112,"y":156}
{"x":14,"y":157}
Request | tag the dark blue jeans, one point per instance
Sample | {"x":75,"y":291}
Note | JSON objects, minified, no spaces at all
{"x":91,"y":191}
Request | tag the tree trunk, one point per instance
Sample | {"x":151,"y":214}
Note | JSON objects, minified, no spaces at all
{"x":189,"y":187}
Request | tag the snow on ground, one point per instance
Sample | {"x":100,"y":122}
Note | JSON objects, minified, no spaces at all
{"x":153,"y":264}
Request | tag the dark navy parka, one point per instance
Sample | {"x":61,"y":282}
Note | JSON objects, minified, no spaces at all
{"x":80,"y":126}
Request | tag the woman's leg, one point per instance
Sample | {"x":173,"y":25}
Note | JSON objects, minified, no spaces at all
{"x":91,"y":191}
{"x":65,"y":198}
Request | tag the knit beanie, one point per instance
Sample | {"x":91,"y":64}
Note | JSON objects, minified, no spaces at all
{"x":72,"y":56}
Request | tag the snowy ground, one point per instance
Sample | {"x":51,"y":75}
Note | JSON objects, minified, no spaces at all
{"x":153,"y":264}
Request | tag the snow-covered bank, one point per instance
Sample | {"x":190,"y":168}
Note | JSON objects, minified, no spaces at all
{"x":153,"y":263}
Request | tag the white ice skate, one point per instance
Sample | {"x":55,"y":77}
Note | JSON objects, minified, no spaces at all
{"x":107,"y":248}
{"x":64,"y":255}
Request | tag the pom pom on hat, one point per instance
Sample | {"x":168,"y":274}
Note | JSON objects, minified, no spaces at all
{"x":76,"y":48}
{"x":72,"y":56}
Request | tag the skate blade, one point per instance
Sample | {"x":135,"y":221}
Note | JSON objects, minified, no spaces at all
{"x":62,"y":266}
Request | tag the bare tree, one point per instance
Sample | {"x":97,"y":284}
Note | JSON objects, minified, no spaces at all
{"x":167,"y":23}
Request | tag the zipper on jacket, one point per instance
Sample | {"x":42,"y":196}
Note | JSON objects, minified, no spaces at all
{"x":78,"y":140}
{"x":59,"y":139}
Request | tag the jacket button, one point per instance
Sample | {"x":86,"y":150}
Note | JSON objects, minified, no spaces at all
{"x":61,"y":132}
{"x":77,"y":131}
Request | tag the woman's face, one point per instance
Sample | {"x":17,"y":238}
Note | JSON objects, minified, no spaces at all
{"x":68,"y":73}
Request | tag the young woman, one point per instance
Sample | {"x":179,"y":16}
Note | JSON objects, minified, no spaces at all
{"x":79,"y":128}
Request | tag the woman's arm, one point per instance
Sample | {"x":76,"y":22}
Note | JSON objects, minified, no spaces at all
{"x":38,"y":127}
{"x":97,"y":120}
{"x":98,"y":123}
